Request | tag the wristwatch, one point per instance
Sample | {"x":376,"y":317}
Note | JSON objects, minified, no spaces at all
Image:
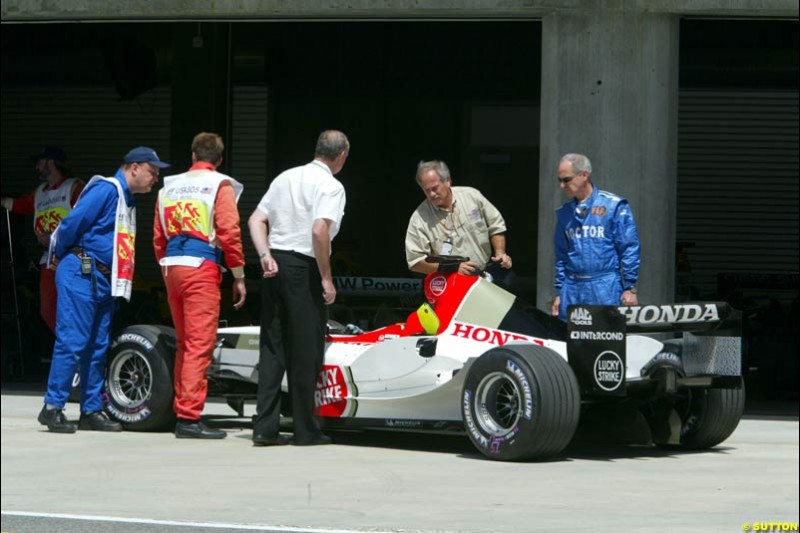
{"x":633,"y":289}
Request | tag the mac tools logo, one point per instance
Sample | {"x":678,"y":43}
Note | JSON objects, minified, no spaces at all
{"x":580,"y":317}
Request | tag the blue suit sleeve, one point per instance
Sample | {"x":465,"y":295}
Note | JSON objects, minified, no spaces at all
{"x":92,"y":204}
{"x":626,"y":242}
{"x":560,"y":240}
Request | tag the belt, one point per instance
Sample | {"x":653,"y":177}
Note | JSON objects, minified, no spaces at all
{"x":81,"y":254}
{"x":297,"y":255}
{"x":585,"y":276}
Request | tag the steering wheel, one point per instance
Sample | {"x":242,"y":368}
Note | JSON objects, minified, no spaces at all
{"x":449,"y":263}
{"x":446,"y":260}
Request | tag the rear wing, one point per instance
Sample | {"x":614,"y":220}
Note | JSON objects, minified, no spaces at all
{"x":716,"y":318}
{"x":597,"y":340}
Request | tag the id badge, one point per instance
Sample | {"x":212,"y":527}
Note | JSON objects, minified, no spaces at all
{"x":86,"y":265}
{"x":447,"y":247}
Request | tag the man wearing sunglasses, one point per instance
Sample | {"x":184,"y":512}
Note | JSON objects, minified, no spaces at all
{"x":596,"y":242}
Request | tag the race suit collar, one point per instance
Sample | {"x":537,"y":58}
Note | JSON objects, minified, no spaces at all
{"x":589,"y":201}
{"x":130,"y":199}
{"x":54,"y":185}
{"x":202,"y":165}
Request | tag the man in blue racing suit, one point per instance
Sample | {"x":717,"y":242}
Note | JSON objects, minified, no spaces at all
{"x":596,"y":243}
{"x":94,"y":245}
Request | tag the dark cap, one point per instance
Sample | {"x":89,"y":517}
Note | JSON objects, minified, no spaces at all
{"x":50,"y":152}
{"x":143,"y":154}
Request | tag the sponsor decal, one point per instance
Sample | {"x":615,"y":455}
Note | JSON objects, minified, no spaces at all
{"x":129,"y":416}
{"x":489,"y":335}
{"x":584,"y":232}
{"x":189,"y":217}
{"x":597,"y":335}
{"x":49,"y":220}
{"x":185,"y":190}
{"x":599,"y":210}
{"x":581,"y":317}
{"x":50,"y":200}
{"x":387,"y":337}
{"x":609,"y":370}
{"x":527,"y":397}
{"x":241,"y":342}
{"x":678,"y":313}
{"x":126,"y":239}
{"x":494,"y":447}
{"x":377,"y":286}
{"x":133,"y":337}
{"x":330,"y":396}
{"x":659,"y":360}
{"x":438,"y":284}
{"x":411,"y":424}
{"x":478,"y":438}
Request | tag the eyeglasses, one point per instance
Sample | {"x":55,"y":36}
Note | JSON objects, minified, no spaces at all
{"x":566,"y":180}
{"x":149,"y":169}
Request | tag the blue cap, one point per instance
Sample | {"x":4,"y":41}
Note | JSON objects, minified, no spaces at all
{"x":51,"y":152}
{"x":143,"y":154}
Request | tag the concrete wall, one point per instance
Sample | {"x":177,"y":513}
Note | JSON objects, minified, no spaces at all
{"x":42,"y":10}
{"x":610,"y":91}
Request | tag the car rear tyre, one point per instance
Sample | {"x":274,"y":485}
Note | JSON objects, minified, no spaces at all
{"x":520,"y":402}
{"x":139,"y":381}
{"x":708,"y":417}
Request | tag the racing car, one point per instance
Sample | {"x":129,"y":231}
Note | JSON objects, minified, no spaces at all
{"x":476,"y":359}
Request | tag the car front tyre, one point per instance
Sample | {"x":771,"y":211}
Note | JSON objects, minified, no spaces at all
{"x":520,"y":402}
{"x":139,"y":380}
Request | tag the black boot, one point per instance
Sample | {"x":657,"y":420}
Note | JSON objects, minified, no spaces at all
{"x":195,"y":429}
{"x":98,"y":421}
{"x":56,"y":421}
{"x":265,"y":440}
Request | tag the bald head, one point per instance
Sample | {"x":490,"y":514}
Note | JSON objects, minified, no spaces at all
{"x":332,"y":149}
{"x":330,"y":144}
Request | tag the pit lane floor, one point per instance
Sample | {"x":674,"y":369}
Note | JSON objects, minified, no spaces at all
{"x":152,"y":482}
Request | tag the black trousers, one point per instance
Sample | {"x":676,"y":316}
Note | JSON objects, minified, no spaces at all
{"x":293,"y":317}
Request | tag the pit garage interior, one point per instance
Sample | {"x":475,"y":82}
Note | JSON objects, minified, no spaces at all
{"x":466,"y":91}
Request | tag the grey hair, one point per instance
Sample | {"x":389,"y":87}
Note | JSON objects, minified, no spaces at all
{"x":440,"y":167}
{"x":579,"y":162}
{"x":330,"y":144}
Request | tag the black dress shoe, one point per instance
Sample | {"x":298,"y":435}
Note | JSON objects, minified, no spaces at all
{"x":98,"y":421}
{"x":314,"y":441}
{"x":277,"y":440}
{"x":56,"y":421}
{"x":194,"y":429}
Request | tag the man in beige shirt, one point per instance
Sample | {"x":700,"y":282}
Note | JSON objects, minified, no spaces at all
{"x":453,"y":221}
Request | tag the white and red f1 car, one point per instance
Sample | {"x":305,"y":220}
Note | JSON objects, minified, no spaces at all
{"x":477,"y":359}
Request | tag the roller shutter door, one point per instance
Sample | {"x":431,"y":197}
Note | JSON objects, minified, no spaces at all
{"x":96,"y":129}
{"x":248,"y":152}
{"x":737,"y":210}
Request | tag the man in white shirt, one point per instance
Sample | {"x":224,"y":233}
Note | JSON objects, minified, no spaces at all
{"x":292,"y":229}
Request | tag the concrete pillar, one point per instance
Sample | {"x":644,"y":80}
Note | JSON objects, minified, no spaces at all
{"x":610,"y":91}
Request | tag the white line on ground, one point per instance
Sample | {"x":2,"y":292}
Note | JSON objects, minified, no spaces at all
{"x":242,"y":527}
